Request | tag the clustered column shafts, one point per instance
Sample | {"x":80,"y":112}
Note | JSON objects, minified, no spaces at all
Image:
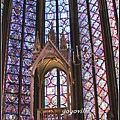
{"x":77,"y":87}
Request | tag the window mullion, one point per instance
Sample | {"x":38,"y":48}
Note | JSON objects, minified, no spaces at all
{"x":21,"y":61}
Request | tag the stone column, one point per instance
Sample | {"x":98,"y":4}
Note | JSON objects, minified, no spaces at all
{"x":32,"y":97}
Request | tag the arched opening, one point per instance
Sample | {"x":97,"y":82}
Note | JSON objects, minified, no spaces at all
{"x":52,"y":96}
{"x":56,"y":89}
{"x":50,"y":85}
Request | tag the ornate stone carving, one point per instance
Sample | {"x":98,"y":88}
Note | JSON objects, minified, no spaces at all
{"x":63,"y":44}
{"x":37,"y":46}
{"x":51,"y":35}
{"x":49,"y":47}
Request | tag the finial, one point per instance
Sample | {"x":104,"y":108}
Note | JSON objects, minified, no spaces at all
{"x":37,"y":45}
{"x":51,"y":34}
{"x":63,"y":44}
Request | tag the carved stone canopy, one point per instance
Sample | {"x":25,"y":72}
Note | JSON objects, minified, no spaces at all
{"x":48,"y":58}
{"x":44,"y":60}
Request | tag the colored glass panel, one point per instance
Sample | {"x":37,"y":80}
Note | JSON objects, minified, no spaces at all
{"x":114,"y":34}
{"x":63,"y":89}
{"x":99,"y":60}
{"x":29,"y":39}
{"x":101,"y":80}
{"x":87,"y":76}
{"x":51,"y":14}
{"x":64,"y":20}
{"x":50,"y":17}
{"x":12,"y":81}
{"x":51,"y":87}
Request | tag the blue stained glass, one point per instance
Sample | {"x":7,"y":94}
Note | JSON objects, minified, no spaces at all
{"x":86,"y":64}
{"x":14,"y":14}
{"x":14,"y":53}
{"x":50,"y":16}
{"x":31,"y":15}
{"x":29,"y":30}
{"x":51,"y":90}
{"x":25,"y":71}
{"x":64,"y":21}
{"x":114,"y":34}
{"x":29,"y":38}
{"x":15,"y":35}
{"x":63,"y":99}
{"x":25,"y":99}
{"x":25,"y":90}
{"x":25,"y":110}
{"x":31,"y":2}
{"x":54,"y":100}
{"x":46,"y":101}
{"x":29,"y":22}
{"x":2,"y":6}
{"x":63,"y":15}
{"x":27,"y":54}
{"x":13,"y":98}
{"x":13,"y":60}
{"x":12,"y":88}
{"x":63,"y":89}
{"x":14,"y":43}
{"x":19,"y":1}
{"x":26,"y":80}
{"x":27,"y":62}
{"x":11,"y":108}
{"x":12,"y":78}
{"x":10,"y":117}
{"x":16,"y":27}
{"x":17,"y":10}
{"x":17,"y":20}
{"x":30,"y":8}
{"x":28,"y":45}
{"x":12,"y":69}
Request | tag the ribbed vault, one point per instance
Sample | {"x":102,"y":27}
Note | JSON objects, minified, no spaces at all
{"x":49,"y":62}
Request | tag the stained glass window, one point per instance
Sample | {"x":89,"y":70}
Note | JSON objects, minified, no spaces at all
{"x":20,"y":46}
{"x":114,"y":35}
{"x":51,"y":89}
{"x":101,"y":80}
{"x":57,"y":17}
{"x":50,"y":17}
{"x":88,"y":87}
{"x":63,"y":90}
{"x":21,"y":38}
{"x":64,"y":20}
{"x":95,"y":48}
